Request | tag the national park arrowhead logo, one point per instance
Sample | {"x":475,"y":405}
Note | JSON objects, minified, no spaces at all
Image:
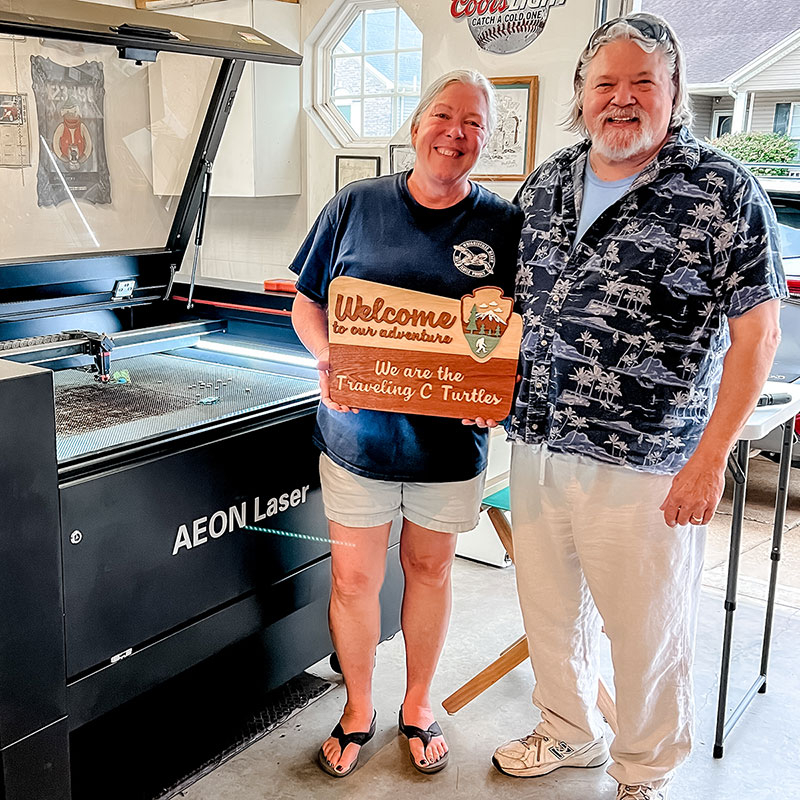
{"x":484,"y":319}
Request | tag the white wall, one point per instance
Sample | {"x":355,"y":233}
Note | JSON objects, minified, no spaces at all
{"x":448,"y":44}
{"x":139,"y":213}
{"x":247,"y":239}
{"x":251,"y":239}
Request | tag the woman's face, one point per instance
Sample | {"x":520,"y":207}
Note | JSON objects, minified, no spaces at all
{"x":451,"y":134}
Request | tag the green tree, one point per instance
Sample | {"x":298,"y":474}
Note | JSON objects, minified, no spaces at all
{"x":759,"y":148}
{"x":472,"y":325}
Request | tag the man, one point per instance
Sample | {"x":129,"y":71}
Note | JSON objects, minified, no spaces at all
{"x":644,"y":254}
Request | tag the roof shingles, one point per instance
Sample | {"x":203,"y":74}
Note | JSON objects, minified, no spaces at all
{"x":722,"y":36}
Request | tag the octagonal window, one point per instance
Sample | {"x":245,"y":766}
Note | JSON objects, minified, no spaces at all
{"x":376,"y":71}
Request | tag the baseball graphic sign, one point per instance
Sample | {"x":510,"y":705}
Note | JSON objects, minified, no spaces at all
{"x":504,"y":26}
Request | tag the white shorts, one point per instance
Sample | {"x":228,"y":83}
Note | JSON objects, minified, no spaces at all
{"x":359,"y":502}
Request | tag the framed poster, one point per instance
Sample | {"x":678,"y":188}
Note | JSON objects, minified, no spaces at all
{"x":356,"y":168}
{"x":401,"y":350}
{"x":15,"y":142}
{"x":401,"y":158}
{"x":509,"y":154}
{"x":72,"y":142}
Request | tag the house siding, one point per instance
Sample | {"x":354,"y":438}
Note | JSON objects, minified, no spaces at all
{"x":701,"y":108}
{"x":764,"y":107}
{"x":782,"y":74}
{"x":704,"y":108}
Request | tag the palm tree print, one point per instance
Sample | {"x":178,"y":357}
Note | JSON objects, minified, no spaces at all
{"x":712,"y":179}
{"x":582,"y":378}
{"x":701,"y":213}
{"x":589,"y":343}
{"x":635,"y":364}
{"x":688,"y":367}
{"x":525,"y":275}
{"x":614,"y":441}
{"x":537,"y":376}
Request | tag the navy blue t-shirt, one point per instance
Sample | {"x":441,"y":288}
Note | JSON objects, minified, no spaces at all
{"x":376,"y":231}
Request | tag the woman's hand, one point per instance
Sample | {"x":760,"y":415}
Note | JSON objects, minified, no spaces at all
{"x":481,"y":422}
{"x":324,"y":369}
{"x":310,"y":321}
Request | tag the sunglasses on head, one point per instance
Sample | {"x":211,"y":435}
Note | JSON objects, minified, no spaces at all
{"x":649,"y":28}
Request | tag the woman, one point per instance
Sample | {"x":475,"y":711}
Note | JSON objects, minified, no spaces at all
{"x":402,"y":230}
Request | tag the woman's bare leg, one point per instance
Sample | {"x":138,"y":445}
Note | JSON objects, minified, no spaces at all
{"x":427,"y":558}
{"x":358,"y":560}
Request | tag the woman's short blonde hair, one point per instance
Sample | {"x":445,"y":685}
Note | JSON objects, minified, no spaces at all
{"x":469,"y":77}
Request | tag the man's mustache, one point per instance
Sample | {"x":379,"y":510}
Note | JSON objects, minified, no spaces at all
{"x":624,"y":114}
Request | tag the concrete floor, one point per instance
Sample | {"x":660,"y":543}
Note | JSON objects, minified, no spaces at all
{"x":760,"y":761}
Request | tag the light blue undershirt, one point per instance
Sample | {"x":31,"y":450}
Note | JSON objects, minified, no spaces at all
{"x":598,"y":195}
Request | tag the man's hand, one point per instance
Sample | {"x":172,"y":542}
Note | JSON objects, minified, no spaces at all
{"x":695,"y":493}
{"x":697,"y":488}
{"x":324,"y":369}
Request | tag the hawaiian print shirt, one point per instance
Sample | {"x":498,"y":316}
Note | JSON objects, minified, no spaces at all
{"x":625,"y":332}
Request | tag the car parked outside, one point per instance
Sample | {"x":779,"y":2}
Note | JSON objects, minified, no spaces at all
{"x":787,"y":210}
{"x":785,"y":197}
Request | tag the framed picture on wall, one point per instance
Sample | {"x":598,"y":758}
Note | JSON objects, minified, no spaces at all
{"x":15,"y":143}
{"x":510,"y":152}
{"x":355,"y":168}
{"x":401,"y":157}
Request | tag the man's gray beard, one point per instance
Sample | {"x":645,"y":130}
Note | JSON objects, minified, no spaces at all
{"x":643,"y":141}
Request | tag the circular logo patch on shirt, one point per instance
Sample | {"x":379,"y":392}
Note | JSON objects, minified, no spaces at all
{"x":474,"y":258}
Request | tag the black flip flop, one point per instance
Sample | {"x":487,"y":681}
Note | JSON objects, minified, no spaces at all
{"x":356,"y":737}
{"x":413,"y":732}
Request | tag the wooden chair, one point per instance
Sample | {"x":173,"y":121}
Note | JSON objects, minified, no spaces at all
{"x":516,"y":653}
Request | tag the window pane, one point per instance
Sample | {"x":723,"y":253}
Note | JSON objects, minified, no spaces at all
{"x":351,"y":111}
{"x":116,"y":145}
{"x":380,"y":29}
{"x":794,"y":130}
{"x":344,"y":109}
{"x":407,"y":106}
{"x":378,"y":116}
{"x":374,"y":87}
{"x":409,"y":34}
{"x":351,"y":41}
{"x":410,"y":71}
{"x":379,"y":74}
{"x":346,"y":75}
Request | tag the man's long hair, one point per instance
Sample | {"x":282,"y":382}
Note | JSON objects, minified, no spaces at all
{"x":671,"y":49}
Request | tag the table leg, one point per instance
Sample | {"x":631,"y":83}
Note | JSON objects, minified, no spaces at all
{"x":781,"y":499}
{"x":739,"y":489}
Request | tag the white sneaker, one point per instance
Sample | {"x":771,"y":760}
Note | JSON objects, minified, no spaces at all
{"x":537,"y":754}
{"x":641,"y":791}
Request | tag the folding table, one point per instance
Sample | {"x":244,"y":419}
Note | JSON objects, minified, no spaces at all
{"x":760,"y":423}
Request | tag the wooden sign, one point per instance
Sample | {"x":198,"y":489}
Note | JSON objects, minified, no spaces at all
{"x":400,"y":350}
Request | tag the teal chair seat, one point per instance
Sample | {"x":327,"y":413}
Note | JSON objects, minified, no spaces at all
{"x":500,"y":499}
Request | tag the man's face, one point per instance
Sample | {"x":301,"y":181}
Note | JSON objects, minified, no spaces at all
{"x":627,"y":102}
{"x":451,"y":134}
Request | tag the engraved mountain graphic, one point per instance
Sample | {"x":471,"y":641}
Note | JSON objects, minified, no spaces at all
{"x":484,"y":319}
{"x":490,"y":314}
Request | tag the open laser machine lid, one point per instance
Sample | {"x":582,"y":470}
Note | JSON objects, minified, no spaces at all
{"x":109,"y":120}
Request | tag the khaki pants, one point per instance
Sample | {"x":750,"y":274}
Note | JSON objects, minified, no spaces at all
{"x":589,"y":538}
